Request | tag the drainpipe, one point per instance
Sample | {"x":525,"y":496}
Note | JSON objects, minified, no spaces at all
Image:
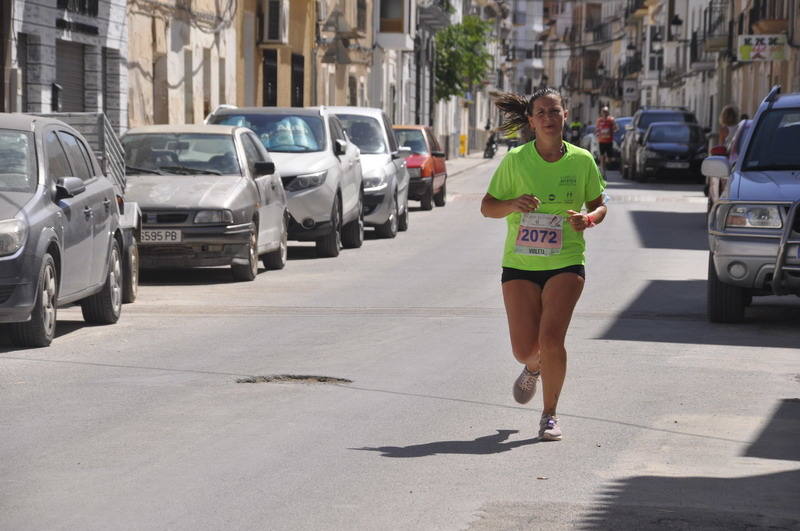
{"x":5,"y":39}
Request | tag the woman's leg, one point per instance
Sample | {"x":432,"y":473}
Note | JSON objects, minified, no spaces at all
{"x":559,"y":296}
{"x":523,"y":302}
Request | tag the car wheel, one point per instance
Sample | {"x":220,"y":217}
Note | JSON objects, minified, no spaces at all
{"x":402,"y":221}
{"x":353,"y":232}
{"x":249,"y":271}
{"x":105,"y":306}
{"x":440,"y":199}
{"x":41,"y":328}
{"x":130,"y":281}
{"x":427,"y":198}
{"x":389,"y":229}
{"x":724,"y":303}
{"x":329,"y":245}
{"x":277,"y":259}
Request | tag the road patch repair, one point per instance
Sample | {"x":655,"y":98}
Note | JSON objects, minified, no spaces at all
{"x":294,"y":378}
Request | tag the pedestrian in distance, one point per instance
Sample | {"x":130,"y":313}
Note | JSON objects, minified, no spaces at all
{"x":728,"y":124}
{"x":604,"y":128}
{"x":540,"y":188}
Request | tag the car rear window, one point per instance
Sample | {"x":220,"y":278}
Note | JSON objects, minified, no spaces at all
{"x":17,"y":163}
{"x":414,"y":139}
{"x":774,"y":142}
{"x":365,"y":132}
{"x":677,"y":133}
{"x":652,"y":117}
{"x":282,"y":133}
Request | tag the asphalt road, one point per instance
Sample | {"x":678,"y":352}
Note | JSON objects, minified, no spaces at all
{"x":669,"y":422}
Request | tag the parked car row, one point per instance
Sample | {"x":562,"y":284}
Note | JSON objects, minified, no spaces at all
{"x":230,"y":192}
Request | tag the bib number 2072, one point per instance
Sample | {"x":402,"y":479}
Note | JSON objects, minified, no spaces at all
{"x":540,"y":234}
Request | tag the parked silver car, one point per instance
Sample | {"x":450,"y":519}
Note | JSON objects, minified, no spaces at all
{"x":386,"y":178}
{"x":320,"y":167}
{"x":754,"y":228}
{"x":209,"y":195}
{"x":60,"y":241}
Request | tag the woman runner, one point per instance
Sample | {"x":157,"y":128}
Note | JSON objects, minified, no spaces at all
{"x":540,"y":188}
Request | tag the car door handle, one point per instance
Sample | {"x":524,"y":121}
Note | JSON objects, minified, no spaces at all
{"x":87,"y":212}
{"x":107,"y":204}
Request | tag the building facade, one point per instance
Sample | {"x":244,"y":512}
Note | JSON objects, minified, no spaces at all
{"x":67,"y":56}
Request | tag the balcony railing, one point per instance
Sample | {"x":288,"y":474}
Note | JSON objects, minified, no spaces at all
{"x":632,"y":65}
{"x":90,"y":8}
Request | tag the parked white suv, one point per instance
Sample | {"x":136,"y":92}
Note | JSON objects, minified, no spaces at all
{"x":754,"y":228}
{"x":383,"y":163}
{"x":320,"y":169}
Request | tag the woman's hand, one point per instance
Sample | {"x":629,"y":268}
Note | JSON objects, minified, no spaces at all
{"x":524,"y":203}
{"x":580,"y":222}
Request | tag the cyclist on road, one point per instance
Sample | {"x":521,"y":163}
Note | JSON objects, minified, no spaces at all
{"x":540,"y":188}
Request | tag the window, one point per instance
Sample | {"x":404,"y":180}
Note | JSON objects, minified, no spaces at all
{"x":361,"y":16}
{"x":77,"y":160}
{"x":17,"y":163}
{"x":57,"y":165}
{"x":251,"y":151}
{"x":298,"y":80}
{"x":365,"y":132}
{"x":391,"y":16}
{"x":283,"y":133}
{"x":270,"y":71}
{"x":188,"y":87}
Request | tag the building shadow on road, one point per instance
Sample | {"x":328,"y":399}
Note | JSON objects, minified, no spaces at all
{"x":769,"y":501}
{"x":674,"y":311}
{"x":671,"y":230}
{"x":489,"y":444}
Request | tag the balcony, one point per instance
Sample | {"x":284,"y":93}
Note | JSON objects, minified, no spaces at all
{"x":770,"y":26}
{"x":392,"y":31}
{"x":435,"y":14}
{"x":89,"y":8}
{"x":632,"y":66}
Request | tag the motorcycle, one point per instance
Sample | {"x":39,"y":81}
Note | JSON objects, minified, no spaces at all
{"x":491,"y":148}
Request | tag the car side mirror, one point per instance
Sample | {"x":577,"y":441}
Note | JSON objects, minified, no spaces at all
{"x":439,"y":154}
{"x":339,"y":147}
{"x":261,"y":168}
{"x":69,"y":187}
{"x":402,"y":153}
{"x":629,"y":127}
{"x":715,"y":166}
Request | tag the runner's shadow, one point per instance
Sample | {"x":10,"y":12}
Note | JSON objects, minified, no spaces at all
{"x":490,"y":444}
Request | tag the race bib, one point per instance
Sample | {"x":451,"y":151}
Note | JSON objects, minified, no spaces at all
{"x":540,"y":234}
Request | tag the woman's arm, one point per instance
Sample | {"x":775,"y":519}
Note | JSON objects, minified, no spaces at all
{"x":596,"y":212}
{"x":492,"y":207}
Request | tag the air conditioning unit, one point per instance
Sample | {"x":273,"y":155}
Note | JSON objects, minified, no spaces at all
{"x":275,"y":20}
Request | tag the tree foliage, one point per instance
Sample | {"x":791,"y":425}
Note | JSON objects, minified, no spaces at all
{"x":462,"y":59}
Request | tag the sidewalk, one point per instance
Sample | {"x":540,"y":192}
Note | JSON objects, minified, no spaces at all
{"x":458,"y":165}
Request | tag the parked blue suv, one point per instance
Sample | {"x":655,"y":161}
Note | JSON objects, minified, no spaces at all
{"x":754,"y":229}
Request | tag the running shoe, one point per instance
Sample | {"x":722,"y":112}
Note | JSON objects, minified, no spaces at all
{"x":548,"y":428}
{"x":525,"y":386}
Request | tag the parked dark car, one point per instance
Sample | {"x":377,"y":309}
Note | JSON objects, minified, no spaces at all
{"x":669,"y":149}
{"x":639,"y":124}
{"x":209,"y":196}
{"x":426,"y":165}
{"x":60,"y":241}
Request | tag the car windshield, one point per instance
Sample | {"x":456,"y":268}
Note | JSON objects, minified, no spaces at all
{"x":412,"y":138}
{"x":17,"y":164}
{"x":676,"y":133}
{"x":652,"y":117}
{"x":180,"y":154}
{"x":283,"y":133}
{"x":774,"y":142}
{"x":365,"y":132}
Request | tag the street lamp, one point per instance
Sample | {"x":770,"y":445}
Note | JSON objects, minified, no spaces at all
{"x":674,"y":26}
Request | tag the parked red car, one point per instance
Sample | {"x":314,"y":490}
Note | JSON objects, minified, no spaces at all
{"x":426,"y":165}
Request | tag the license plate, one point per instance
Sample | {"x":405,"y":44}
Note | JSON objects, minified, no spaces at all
{"x":160,"y":236}
{"x":677,"y":165}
